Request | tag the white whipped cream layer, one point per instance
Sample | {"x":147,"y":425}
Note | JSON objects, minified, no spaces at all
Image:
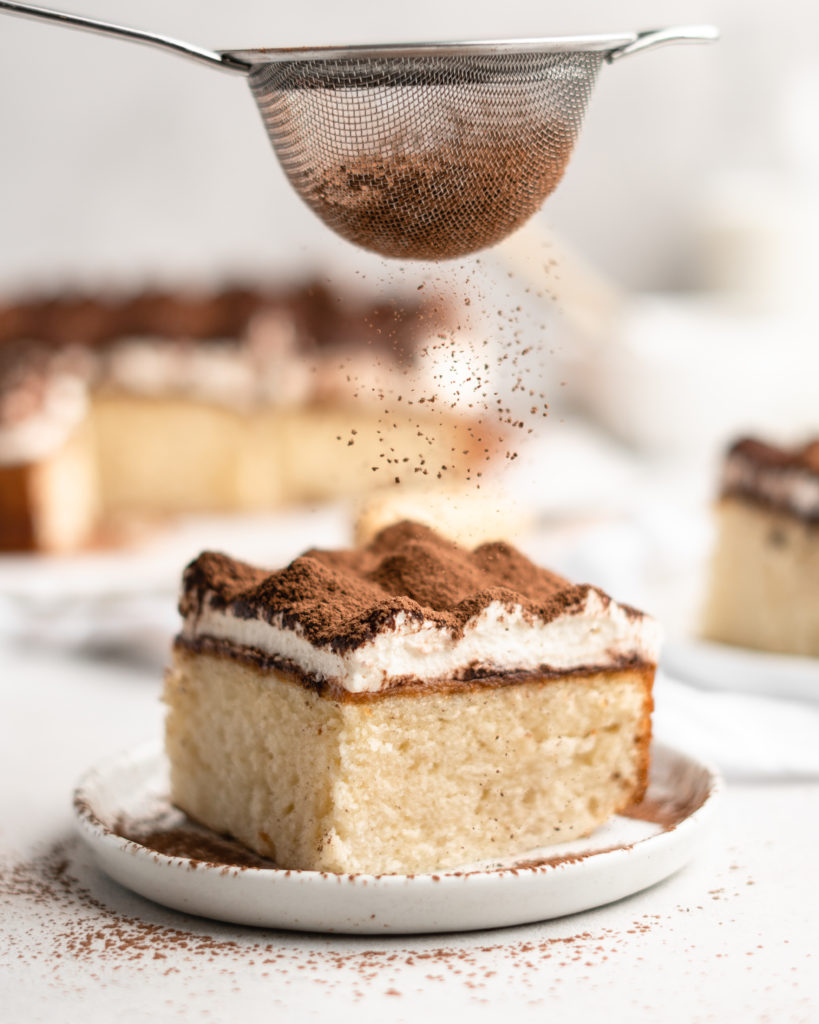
{"x":791,"y":487}
{"x":600,"y":634}
{"x":215,"y":371}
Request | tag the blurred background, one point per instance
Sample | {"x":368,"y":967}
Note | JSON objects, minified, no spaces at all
{"x":692,"y":195}
{"x":666,"y":291}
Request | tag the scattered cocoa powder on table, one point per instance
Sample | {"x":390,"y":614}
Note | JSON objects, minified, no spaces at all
{"x":80,"y":919}
{"x":78,"y":929}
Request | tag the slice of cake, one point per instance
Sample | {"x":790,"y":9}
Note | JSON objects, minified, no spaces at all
{"x":48,"y":477}
{"x":764,"y":583}
{"x":405,"y":707}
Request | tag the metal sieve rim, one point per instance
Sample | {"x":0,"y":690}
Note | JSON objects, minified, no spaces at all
{"x":466,"y":48}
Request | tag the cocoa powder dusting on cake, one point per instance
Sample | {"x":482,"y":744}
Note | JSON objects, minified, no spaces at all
{"x":810,"y":456}
{"x":770,"y":456}
{"x":322,"y":318}
{"x":44,"y":338}
{"x":341,"y":598}
{"x":782,"y":479}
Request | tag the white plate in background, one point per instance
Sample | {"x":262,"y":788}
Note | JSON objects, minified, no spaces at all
{"x":154,"y":563}
{"x":739,"y":669}
{"x":121,"y":603}
{"x":624,"y":856}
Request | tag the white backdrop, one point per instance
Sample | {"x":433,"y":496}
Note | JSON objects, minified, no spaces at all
{"x":121,"y":162}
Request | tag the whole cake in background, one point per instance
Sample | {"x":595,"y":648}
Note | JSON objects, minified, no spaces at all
{"x":764,"y":581}
{"x":406,"y":706}
{"x":162,"y":403}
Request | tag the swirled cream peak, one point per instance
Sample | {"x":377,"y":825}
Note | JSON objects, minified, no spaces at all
{"x":411,"y":605}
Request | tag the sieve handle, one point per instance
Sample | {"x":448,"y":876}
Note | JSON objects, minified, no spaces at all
{"x":660,"y":37}
{"x":135,"y":35}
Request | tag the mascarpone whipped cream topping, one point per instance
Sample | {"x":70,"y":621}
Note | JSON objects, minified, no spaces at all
{"x":498,"y":640}
{"x":367,"y":632}
{"x":217,"y":371}
{"x":783,"y":478}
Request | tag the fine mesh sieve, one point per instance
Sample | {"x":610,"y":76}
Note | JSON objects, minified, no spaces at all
{"x":428,"y":151}
{"x":429,"y":157}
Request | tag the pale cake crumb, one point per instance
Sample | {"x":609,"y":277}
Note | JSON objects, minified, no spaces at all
{"x":401,"y":783}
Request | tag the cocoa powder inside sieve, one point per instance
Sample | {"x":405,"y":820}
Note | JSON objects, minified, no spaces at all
{"x":439,"y":204}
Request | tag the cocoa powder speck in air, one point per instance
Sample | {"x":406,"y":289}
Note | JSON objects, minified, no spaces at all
{"x":474,"y":381}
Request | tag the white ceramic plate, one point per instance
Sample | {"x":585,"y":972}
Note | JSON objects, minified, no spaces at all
{"x":626,"y":855}
{"x":723,"y":667}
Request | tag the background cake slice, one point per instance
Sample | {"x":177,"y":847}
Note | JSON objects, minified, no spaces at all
{"x":408,"y":706}
{"x":227,"y":401}
{"x":49,"y":488}
{"x":764,"y":581}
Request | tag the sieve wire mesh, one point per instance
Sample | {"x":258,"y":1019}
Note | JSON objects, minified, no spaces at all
{"x":429,"y":157}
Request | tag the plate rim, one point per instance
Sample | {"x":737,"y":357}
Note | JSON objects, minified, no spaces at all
{"x":95,"y":831}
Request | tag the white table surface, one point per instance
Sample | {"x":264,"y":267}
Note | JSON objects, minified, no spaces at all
{"x":732,"y":937}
